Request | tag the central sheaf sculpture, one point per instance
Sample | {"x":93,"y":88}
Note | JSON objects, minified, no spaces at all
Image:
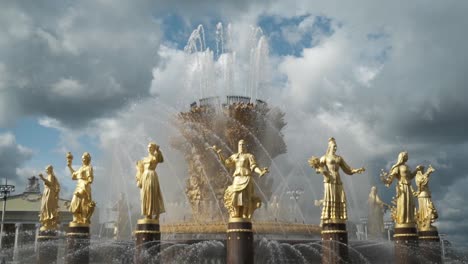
{"x":334,"y":214}
{"x":241,"y":202}
{"x":147,"y":233}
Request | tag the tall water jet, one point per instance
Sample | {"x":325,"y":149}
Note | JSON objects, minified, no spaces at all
{"x":225,"y":121}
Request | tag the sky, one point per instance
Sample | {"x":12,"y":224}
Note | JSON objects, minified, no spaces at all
{"x":108,"y":76}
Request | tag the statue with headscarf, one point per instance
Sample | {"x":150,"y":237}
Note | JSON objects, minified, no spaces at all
{"x":334,"y":198}
{"x":49,"y":214}
{"x":404,"y":200}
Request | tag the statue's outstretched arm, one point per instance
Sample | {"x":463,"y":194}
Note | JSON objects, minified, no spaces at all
{"x":254,"y":167}
{"x":46,"y":182}
{"x":229,"y":162}
{"x":348,"y":170}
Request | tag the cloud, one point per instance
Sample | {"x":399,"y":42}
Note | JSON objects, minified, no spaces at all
{"x":75,"y":62}
{"x":451,"y":213}
{"x":12,"y":158}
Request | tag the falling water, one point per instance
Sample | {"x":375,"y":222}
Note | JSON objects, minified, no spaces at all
{"x":224,"y":72}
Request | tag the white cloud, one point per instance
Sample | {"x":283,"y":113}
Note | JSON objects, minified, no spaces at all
{"x":365,"y":75}
{"x":307,"y":74}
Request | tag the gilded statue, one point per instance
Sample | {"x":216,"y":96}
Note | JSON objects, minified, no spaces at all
{"x":82,"y":205}
{"x":375,"y":223}
{"x":427,"y":213}
{"x":239,"y":197}
{"x":334,"y":198}
{"x":49,"y":215}
{"x":404,"y":214}
{"x":152,"y":203}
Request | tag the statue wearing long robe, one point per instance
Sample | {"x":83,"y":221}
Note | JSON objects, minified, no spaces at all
{"x":334,"y":198}
{"x":49,"y":215}
{"x":82,"y":205}
{"x":405,"y":204}
{"x":427,"y":212}
{"x":239,"y":197}
{"x":152,"y":204}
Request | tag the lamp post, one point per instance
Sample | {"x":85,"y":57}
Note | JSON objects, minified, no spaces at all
{"x":5,"y":190}
{"x":294,"y":194}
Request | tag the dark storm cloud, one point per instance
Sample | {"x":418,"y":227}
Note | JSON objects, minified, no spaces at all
{"x":12,"y":156}
{"x":74,"y":61}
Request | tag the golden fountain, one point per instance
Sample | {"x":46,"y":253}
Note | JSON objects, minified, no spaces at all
{"x":212,"y":122}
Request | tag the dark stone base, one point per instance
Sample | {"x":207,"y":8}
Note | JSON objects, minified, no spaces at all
{"x":77,"y":245}
{"x":429,"y":246}
{"x":406,"y":245}
{"x":240,"y":248}
{"x":147,"y":245}
{"x":334,"y":243}
{"x":47,"y":247}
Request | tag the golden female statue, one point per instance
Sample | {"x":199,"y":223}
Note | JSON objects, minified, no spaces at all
{"x":404,"y":214}
{"x":375,"y":223}
{"x":152,"y":204}
{"x":49,"y":215}
{"x":82,"y":206}
{"x":334,"y":198}
{"x":427,"y":213}
{"x":239,"y":197}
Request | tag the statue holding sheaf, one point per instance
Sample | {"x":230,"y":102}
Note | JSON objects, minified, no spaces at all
{"x":427,"y":213}
{"x":404,"y":213}
{"x":334,"y":198}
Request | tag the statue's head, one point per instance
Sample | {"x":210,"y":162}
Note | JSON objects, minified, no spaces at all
{"x":49,"y":169}
{"x":402,"y":157}
{"x":242,"y":146}
{"x":152,"y":147}
{"x":420,"y":168}
{"x":86,"y":158}
{"x":331,"y":146}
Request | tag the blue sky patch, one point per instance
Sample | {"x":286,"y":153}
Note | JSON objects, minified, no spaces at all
{"x":289,"y":36}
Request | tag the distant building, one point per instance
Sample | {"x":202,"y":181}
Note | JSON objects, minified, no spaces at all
{"x":22,"y":215}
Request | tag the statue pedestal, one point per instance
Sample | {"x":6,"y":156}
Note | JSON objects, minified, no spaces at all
{"x":239,"y":244}
{"x":148,"y":239}
{"x":429,"y":245}
{"x":47,"y":247}
{"x":334,"y":243}
{"x":77,"y":244}
{"x":406,"y":244}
